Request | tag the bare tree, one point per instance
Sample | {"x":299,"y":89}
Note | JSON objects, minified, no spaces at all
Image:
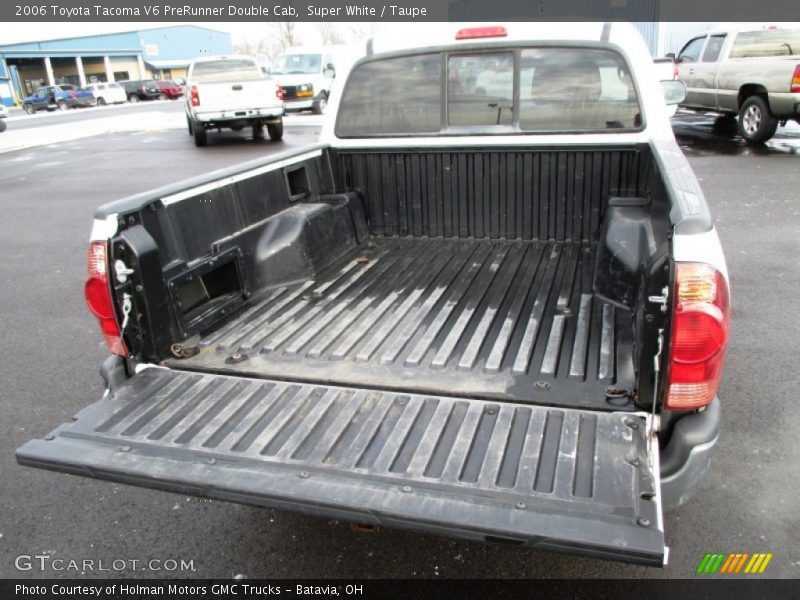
{"x":285,"y":35}
{"x":359,"y":32}
{"x":252,"y":46}
{"x":277,"y":37}
{"x":329,"y":34}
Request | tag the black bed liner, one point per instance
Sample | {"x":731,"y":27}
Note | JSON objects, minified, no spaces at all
{"x":485,"y":319}
{"x":557,"y":479}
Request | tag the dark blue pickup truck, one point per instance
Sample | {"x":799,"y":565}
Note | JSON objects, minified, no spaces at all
{"x":62,"y":96}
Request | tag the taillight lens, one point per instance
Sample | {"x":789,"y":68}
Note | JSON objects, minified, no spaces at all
{"x":98,"y":298}
{"x":280,"y":92}
{"x":700,"y":323}
{"x":795,"y":87}
{"x":194,"y":96}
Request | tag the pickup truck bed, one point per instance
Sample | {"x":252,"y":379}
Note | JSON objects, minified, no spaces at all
{"x":361,"y":335}
{"x":485,"y":319}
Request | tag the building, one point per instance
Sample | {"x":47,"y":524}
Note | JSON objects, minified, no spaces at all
{"x":159,"y":53}
{"x":665,"y":37}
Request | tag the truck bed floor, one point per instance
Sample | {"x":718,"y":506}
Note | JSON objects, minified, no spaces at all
{"x":492,"y":319}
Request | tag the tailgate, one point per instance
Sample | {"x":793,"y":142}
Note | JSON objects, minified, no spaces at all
{"x":236,"y":95}
{"x":557,"y":479}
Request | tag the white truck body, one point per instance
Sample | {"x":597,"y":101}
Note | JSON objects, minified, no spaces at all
{"x":432,"y":319}
{"x":230,"y":92}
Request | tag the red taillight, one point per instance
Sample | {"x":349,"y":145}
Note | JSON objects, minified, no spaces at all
{"x":280,"y":92}
{"x":699,"y":335}
{"x":481,"y":32}
{"x":195,"y":96}
{"x":675,"y":70}
{"x":795,"y":87}
{"x":98,"y":298}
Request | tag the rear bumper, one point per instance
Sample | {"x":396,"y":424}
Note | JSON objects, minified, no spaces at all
{"x":237,"y":115}
{"x":784,"y":104}
{"x":300,"y":104}
{"x":686,"y":458}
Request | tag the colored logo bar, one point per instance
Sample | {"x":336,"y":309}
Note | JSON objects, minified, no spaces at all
{"x":734,"y":563}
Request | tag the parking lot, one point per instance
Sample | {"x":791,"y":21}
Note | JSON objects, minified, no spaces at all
{"x":51,"y":350}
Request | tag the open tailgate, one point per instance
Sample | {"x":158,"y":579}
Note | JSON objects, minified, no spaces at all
{"x":557,"y":479}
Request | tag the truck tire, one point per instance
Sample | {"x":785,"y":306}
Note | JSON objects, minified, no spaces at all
{"x":101,"y":101}
{"x":275,"y":131}
{"x":320,"y":105}
{"x":133,"y":98}
{"x":162,"y":97}
{"x":30,"y":109}
{"x":189,"y":124}
{"x":62,"y":105}
{"x":2,"y":125}
{"x":756,"y":123}
{"x":200,"y":135}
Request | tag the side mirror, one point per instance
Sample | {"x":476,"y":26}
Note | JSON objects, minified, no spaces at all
{"x":674,"y":91}
{"x":329,"y":72}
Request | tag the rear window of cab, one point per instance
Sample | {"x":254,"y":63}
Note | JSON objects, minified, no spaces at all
{"x":227,"y":69}
{"x":497,"y":91}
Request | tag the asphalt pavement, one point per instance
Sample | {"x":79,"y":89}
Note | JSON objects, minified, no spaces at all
{"x":51,"y":350}
{"x":18,"y":119}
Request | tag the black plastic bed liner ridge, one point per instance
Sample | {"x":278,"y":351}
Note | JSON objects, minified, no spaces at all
{"x":511,"y":320}
{"x":557,"y":479}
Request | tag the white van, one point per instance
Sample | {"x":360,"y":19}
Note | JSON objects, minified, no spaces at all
{"x":306,"y":75}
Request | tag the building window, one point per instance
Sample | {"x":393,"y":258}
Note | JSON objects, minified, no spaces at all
{"x":121,"y":76}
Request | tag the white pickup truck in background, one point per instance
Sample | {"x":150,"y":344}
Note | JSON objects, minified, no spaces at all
{"x":232,"y":92}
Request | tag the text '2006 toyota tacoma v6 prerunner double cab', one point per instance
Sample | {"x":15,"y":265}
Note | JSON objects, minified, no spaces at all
{"x":490,"y":304}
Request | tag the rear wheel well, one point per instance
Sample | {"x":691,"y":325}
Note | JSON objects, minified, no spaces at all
{"x":751,"y":89}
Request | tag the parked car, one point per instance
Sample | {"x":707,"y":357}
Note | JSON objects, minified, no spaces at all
{"x":62,"y":97}
{"x":505,"y":330}
{"x":3,"y":117}
{"x":107,"y":93}
{"x":745,"y":71}
{"x":169,"y":90}
{"x":141,"y":89}
{"x":232,"y":92}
